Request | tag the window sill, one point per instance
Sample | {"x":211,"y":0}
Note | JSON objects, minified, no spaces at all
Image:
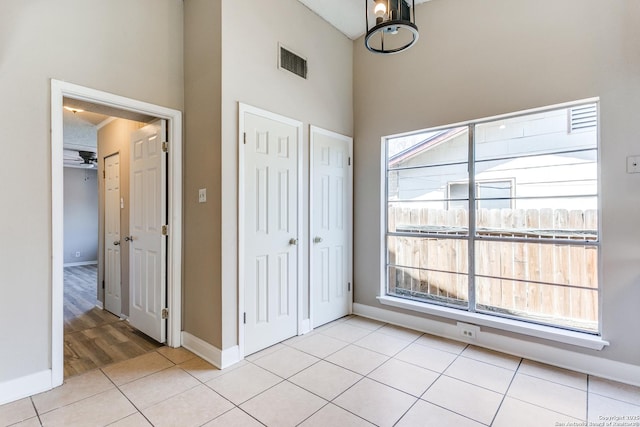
{"x":578,"y":339}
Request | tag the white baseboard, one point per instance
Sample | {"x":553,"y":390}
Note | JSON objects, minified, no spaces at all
{"x":580,"y":362}
{"x":219,"y":358}
{"x":77,"y":264}
{"x":230,"y":356}
{"x":28,"y":385}
{"x":100,"y":305}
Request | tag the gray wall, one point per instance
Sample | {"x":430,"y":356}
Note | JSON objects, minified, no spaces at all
{"x":80,"y":215}
{"x":477,"y":59}
{"x":129,"y":48}
{"x":202,"y":313}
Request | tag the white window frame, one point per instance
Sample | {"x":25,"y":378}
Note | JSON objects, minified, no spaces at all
{"x":566,"y":336}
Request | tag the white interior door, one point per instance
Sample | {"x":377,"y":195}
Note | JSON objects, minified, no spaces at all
{"x":330,"y":226}
{"x":270,"y":196}
{"x":147,"y":266}
{"x":112,"y":279}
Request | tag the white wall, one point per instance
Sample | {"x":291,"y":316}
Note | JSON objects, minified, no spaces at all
{"x":251,"y":31}
{"x":78,"y":133}
{"x":130,"y":48}
{"x":479,"y":59}
{"x":80,"y":215}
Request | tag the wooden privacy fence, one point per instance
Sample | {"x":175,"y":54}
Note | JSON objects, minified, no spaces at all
{"x":549,"y":282}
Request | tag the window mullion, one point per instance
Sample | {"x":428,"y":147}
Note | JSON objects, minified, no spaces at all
{"x":472,"y":218}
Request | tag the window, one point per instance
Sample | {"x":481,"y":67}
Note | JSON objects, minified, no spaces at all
{"x":525,"y":243}
{"x":490,"y":194}
{"x":583,"y":117}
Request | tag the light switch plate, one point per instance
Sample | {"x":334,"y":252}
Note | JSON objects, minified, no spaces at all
{"x":633,"y":164}
{"x":202,"y":195}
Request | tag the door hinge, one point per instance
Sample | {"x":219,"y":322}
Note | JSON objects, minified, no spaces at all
{"x":244,"y":318}
{"x":165,"y":313}
{"x":165,"y":230}
{"x":349,"y":287}
{"x":349,"y":161}
{"x":245,"y":137}
{"x":165,"y":147}
{"x":103,"y":284}
{"x":104,"y":174}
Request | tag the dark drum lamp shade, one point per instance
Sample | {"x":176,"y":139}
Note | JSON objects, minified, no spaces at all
{"x":395,"y":27}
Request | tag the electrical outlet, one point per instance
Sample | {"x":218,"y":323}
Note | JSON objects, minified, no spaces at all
{"x":202,"y":195}
{"x":468,"y":331}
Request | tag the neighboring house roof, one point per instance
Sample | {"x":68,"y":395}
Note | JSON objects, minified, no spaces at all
{"x":427,"y":144}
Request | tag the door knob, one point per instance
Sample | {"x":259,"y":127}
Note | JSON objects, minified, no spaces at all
{"x":128,"y":239}
{"x":293,"y":241}
{"x":317,"y":239}
{"x":117,"y":243}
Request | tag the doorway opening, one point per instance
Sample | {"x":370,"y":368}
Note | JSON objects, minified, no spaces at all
{"x":87,"y":278}
{"x":97,"y":199}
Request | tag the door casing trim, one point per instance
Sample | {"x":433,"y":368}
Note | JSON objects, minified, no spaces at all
{"x":60,"y":90}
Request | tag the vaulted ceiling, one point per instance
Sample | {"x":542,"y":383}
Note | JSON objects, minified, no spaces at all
{"x":346,"y":15}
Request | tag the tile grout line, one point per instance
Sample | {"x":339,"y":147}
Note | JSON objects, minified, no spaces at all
{"x":440,"y":375}
{"x":477,"y":385}
{"x":504,"y":395}
{"x":332,"y":401}
{"x":555,"y":382}
{"x":407,"y":411}
{"x":258,"y":394}
{"x":626,"y":402}
{"x":355,"y":344}
{"x":138,"y":378}
{"x":138,"y":410}
{"x":234,"y":406}
{"x":68,"y":404}
{"x":315,"y":412}
{"x":520,"y":365}
{"x":35,"y":410}
{"x":386,"y":385}
{"x":543,"y":407}
{"x":535,"y":404}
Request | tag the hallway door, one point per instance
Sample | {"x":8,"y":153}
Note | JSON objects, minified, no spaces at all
{"x":112,"y":279}
{"x":148,"y":219}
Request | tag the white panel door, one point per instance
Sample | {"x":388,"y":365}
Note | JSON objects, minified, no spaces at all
{"x":147,"y":265}
{"x":112,"y":279}
{"x":270,"y":224}
{"x":330,"y":210}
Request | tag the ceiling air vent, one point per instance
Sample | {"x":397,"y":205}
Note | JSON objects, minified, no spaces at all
{"x":583,"y":117}
{"x":292,"y":62}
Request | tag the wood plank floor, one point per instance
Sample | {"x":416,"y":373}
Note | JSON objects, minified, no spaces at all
{"x":94,"y":337}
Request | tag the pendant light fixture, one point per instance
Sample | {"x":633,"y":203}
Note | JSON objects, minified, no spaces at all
{"x":395,"y":27}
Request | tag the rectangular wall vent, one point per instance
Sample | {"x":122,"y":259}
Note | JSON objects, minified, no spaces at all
{"x":583,"y":117}
{"x":292,"y":62}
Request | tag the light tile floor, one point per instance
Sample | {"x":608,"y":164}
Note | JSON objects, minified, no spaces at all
{"x":352,"y":372}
